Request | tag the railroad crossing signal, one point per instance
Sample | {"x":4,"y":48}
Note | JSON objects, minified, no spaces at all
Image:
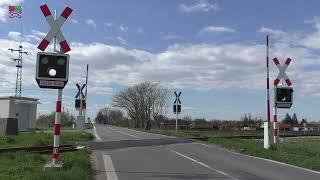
{"x":80,"y":88}
{"x":177,"y":101}
{"x":282,"y":71}
{"x":77,"y":104}
{"x":177,"y":104}
{"x":283,"y":97}
{"x":177,"y":108}
{"x":80,"y":97}
{"x":55,"y":28}
{"x":52,"y":70}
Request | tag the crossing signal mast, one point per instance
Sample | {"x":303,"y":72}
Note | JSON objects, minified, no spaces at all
{"x":18,"y":62}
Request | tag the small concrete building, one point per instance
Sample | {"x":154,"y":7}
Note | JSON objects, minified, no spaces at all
{"x":24,"y":109}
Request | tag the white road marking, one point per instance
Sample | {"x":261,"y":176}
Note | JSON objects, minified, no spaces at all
{"x":108,"y":166}
{"x":148,"y":133}
{"x":129,"y":134}
{"x":203,"y":164}
{"x":95,"y":133}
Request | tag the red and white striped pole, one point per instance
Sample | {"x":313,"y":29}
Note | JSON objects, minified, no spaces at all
{"x":268,"y":89}
{"x":275,"y":130}
{"x":57,"y":121}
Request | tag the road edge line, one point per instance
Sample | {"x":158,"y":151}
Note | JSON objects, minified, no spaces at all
{"x":203,"y":164}
{"x":95,"y":133}
{"x":108,"y":166}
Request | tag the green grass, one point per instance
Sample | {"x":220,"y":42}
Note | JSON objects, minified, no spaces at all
{"x":22,"y":165}
{"x":198,"y":133}
{"x":301,"y":153}
{"x":304,"y":153}
{"x":39,"y":139}
{"x":88,"y":126}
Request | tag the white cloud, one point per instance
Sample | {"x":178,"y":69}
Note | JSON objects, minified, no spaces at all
{"x":100,"y":90}
{"x":14,"y":35}
{"x":123,"y":28}
{"x":227,"y":66}
{"x":121,"y":40}
{"x":217,"y":29}
{"x":191,"y":66}
{"x":4,"y":12}
{"x":91,"y":22}
{"x":199,"y":6}
{"x":275,"y":32}
{"x":34,"y":36}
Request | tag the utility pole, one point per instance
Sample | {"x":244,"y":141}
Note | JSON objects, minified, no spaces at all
{"x":18,"y":62}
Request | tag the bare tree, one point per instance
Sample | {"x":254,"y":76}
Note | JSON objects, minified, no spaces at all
{"x":102,"y":116}
{"x":142,"y":102}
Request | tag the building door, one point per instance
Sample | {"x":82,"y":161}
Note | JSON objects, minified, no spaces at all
{"x":22,"y":114}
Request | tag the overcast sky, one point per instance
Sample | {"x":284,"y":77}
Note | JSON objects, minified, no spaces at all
{"x":212,"y":51}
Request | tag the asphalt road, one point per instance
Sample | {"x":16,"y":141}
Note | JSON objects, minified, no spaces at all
{"x":125,"y":154}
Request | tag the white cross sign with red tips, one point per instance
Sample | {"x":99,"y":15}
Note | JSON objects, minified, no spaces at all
{"x":282,"y":71}
{"x":55,"y":28}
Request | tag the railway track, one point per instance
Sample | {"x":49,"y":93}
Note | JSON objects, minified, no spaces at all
{"x":43,"y":149}
{"x":253,"y":136}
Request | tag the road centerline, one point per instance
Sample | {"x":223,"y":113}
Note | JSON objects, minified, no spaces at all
{"x":108,"y":165}
{"x":203,"y":164}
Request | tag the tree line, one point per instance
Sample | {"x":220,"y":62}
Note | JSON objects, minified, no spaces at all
{"x":293,"y":119}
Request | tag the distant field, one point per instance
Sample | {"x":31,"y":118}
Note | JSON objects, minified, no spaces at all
{"x":303,"y":151}
{"x":23,"y":165}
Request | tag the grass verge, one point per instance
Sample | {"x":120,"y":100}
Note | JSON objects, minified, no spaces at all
{"x":25,"y":139}
{"x":303,"y":152}
{"x":24,"y":165}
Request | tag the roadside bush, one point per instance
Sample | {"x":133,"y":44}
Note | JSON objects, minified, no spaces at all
{"x":46,"y":121}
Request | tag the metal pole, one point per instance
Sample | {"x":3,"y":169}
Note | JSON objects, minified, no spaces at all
{"x":177,"y":116}
{"x":80,"y":111}
{"x":86,"y":93}
{"x":56,"y":140}
{"x":268,"y":89}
